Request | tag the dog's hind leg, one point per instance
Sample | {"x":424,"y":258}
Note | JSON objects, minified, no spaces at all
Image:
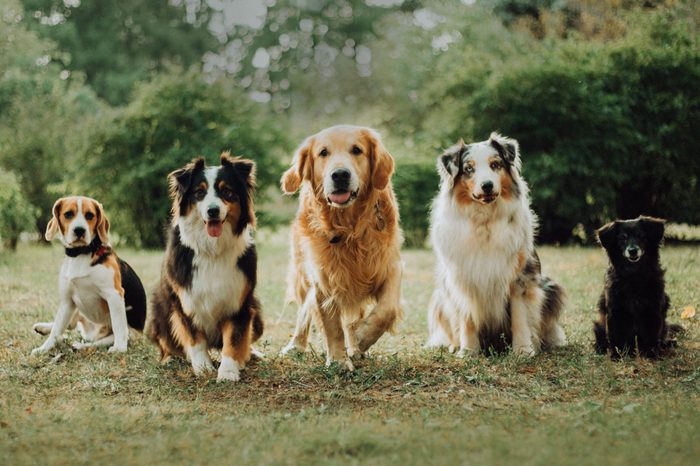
{"x":526,"y":320}
{"x":105,"y":341}
{"x":300,"y":337}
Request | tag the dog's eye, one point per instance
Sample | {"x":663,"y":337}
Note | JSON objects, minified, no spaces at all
{"x":200,"y":193}
{"x":623,"y":237}
{"x":468,"y":169}
{"x":356,"y":150}
{"x":323,"y":153}
{"x":495,"y":165}
{"x":89,"y":216}
{"x":68,"y":215}
{"x":228,"y":194}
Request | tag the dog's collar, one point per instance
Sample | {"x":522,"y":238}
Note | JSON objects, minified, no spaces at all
{"x":95,"y":247}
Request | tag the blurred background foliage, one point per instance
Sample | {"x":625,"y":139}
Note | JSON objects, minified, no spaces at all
{"x":106,"y":98}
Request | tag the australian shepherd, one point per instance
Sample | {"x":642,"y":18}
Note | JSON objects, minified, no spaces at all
{"x":206,"y":295}
{"x":346,"y":267}
{"x":489,"y":290}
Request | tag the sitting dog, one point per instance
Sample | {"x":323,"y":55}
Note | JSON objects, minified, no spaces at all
{"x":206,"y":296}
{"x":489,"y":290}
{"x":346,"y":268}
{"x":99,"y":293}
{"x":633,"y":304}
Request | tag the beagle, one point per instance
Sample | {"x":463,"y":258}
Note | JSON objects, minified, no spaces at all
{"x":100,"y":294}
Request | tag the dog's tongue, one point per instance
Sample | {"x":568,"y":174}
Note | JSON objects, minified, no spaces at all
{"x":214,"y":229}
{"x":340,"y":197}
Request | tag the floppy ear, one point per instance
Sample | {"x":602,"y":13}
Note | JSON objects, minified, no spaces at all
{"x":381,"y":161}
{"x":102,"y":223}
{"x":181,"y":179}
{"x":293,"y":177}
{"x":654,"y":228}
{"x":449,"y":162}
{"x":507,"y":148}
{"x":244,"y":167}
{"x":54,"y":224}
{"x":607,"y":234}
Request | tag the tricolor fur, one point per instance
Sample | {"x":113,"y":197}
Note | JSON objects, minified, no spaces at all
{"x":206,"y":296}
{"x":489,"y":291}
{"x":633,"y":305}
{"x":345,"y":241}
{"x":100,"y":294}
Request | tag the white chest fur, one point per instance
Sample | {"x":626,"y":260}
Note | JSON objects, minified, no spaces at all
{"x":217,"y":283}
{"x":87,"y":286}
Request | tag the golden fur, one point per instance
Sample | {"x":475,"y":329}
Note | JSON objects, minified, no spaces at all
{"x":353,"y":251}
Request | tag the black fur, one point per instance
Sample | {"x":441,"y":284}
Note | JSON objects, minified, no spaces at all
{"x":178,"y":262}
{"x":633,"y":306}
{"x":239,"y":176}
{"x":134,"y":296}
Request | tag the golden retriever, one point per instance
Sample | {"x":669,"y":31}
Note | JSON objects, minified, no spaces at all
{"x":346,"y":240}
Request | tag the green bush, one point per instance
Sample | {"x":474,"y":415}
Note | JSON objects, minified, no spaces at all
{"x":170,"y":121}
{"x":17,"y":214}
{"x":606,"y":130}
{"x":415,"y":185}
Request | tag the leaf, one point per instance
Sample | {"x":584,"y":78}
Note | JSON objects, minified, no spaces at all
{"x":688,"y":312}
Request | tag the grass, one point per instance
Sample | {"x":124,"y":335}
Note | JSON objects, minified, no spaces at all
{"x":404,"y":405}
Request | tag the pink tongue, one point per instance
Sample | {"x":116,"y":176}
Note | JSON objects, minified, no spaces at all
{"x":340,"y":197}
{"x":214,"y":229}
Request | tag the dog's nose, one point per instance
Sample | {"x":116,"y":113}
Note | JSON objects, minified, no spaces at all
{"x":213,"y":212}
{"x":341,"y":175}
{"x":487,"y":187}
{"x":633,"y":251}
{"x":79,"y":231}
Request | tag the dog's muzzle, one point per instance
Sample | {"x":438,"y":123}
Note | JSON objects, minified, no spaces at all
{"x":342,"y":194}
{"x":633,"y":253}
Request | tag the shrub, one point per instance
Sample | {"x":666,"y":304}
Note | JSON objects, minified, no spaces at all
{"x":17,"y":214}
{"x":415,"y":184}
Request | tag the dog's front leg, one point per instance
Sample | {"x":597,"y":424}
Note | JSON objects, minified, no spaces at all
{"x":63,"y":317}
{"x":468,"y":336}
{"x":194,"y":343}
{"x":385,"y":314}
{"x":520,"y":326}
{"x":330,"y":320}
{"x":117,"y":314}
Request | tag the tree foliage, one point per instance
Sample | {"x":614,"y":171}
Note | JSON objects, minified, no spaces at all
{"x":17,"y":214}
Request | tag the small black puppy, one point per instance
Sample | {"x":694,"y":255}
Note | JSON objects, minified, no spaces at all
{"x":633,"y":305}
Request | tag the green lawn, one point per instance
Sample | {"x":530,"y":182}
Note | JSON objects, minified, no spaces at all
{"x":403,"y":405}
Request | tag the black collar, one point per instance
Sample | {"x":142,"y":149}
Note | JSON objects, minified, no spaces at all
{"x":89,"y":249}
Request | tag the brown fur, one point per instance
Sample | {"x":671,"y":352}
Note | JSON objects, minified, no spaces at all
{"x":356,"y":269}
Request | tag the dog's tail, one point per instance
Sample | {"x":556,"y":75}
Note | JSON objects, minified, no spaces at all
{"x":554,"y":296}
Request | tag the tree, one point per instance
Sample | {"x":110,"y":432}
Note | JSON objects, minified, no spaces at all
{"x":119,"y":43}
{"x":17,"y":214}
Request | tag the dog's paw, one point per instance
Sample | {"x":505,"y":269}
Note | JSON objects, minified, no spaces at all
{"x":117,"y":349}
{"x":43,"y":349}
{"x":229,"y":370}
{"x":524,"y":350}
{"x":291,"y":349}
{"x":345,"y":364}
{"x":202,"y":367}
{"x":465,"y":353}
{"x":78,"y":346}
{"x":42,"y":328}
{"x":256,"y":354}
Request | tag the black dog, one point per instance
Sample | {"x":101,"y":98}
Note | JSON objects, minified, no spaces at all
{"x":633,"y":305}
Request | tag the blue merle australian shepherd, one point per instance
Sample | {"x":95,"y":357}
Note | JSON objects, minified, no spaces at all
{"x":206,"y":295}
{"x":489,"y":290}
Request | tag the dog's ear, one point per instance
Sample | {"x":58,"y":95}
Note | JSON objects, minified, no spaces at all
{"x":653,"y":228}
{"x":180,"y":180}
{"x":300,"y":170}
{"x":607,"y":234}
{"x":244,"y":168}
{"x":449,"y":162}
{"x":55,"y":223}
{"x":381,"y":161}
{"x":102,"y":226}
{"x":507,"y":148}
